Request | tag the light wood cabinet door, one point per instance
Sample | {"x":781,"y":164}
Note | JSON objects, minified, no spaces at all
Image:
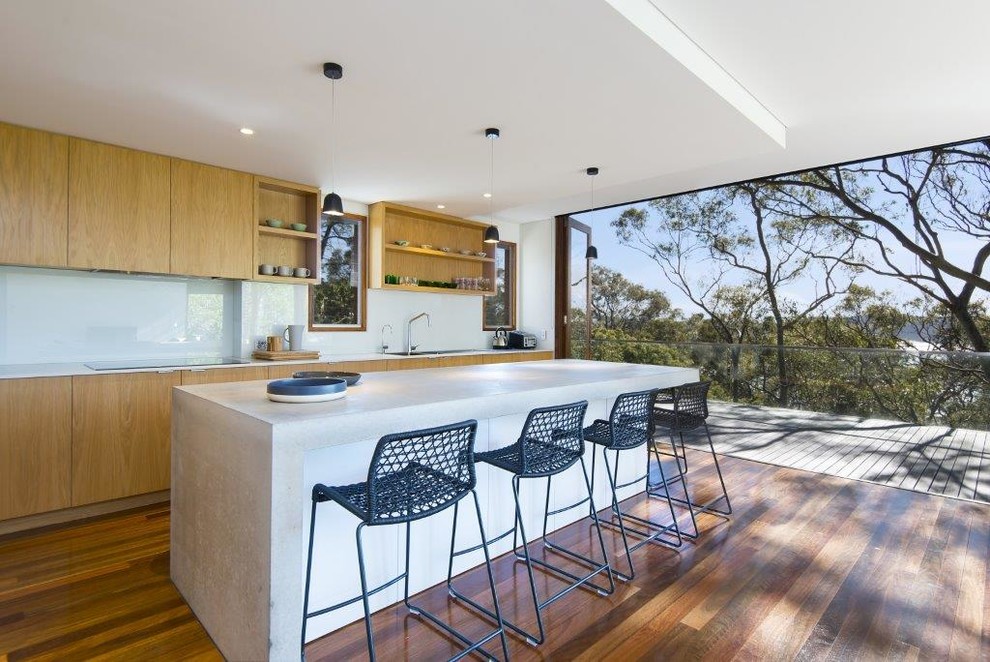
{"x":212,"y":221}
{"x":518,"y":357}
{"x":121,"y":435}
{"x":35,"y":445}
{"x":118,"y":208}
{"x":224,"y":375}
{"x":452,"y":361}
{"x":34,"y":167}
{"x":285,"y":371}
{"x":379,"y":365}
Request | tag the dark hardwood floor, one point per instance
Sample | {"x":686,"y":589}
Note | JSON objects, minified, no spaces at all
{"x":809,"y":567}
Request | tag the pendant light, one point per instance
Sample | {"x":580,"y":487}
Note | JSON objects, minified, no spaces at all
{"x":592,"y":252}
{"x":491,"y":232}
{"x":332,"y":204}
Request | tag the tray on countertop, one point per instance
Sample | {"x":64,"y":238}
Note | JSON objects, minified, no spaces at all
{"x":285,"y":355}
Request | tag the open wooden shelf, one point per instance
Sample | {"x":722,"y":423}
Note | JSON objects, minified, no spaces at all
{"x":433,"y":252}
{"x":289,"y":203}
{"x":389,"y":222}
{"x":282,"y":232}
{"x":287,"y":280}
{"x":438,"y":290}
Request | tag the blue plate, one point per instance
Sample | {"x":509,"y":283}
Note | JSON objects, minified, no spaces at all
{"x":318,"y":389}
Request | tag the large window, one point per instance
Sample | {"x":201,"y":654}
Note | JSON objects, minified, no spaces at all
{"x":338,"y":303}
{"x":500,"y":309}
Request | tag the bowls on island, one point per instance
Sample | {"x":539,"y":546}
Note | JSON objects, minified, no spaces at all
{"x":481,"y":254}
{"x":298,"y":227}
{"x":351,"y":378}
{"x":401,"y":242}
{"x":318,"y":389}
{"x":273,"y":223}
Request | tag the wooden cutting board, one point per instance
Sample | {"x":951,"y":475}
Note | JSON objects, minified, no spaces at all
{"x":285,"y":355}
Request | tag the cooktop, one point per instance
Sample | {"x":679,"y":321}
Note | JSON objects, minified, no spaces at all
{"x":177,"y":362}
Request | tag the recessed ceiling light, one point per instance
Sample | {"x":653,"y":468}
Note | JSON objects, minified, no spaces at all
{"x":441,"y":206}
{"x":247,"y":132}
{"x":488,"y":195}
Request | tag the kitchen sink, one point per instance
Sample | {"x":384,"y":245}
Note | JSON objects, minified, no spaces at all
{"x":434,"y":352}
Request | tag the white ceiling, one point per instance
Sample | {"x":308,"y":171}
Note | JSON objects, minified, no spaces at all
{"x":571,"y":83}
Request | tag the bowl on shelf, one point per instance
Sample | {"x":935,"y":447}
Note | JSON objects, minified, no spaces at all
{"x":464,"y":251}
{"x":426,"y":246}
{"x":298,"y":227}
{"x":401,"y":242}
{"x":273,"y":223}
{"x":445,"y":249}
{"x":481,"y":254}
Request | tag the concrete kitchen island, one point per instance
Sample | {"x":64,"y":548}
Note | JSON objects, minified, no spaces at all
{"x":243,"y":468}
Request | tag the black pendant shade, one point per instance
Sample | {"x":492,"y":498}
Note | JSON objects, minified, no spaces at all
{"x":491,"y":235}
{"x":591,"y":253}
{"x":332,"y":205}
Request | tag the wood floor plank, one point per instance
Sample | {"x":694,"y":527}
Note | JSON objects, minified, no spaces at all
{"x":808,"y":566}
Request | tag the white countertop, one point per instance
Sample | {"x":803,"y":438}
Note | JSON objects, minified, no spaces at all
{"x":436,"y":387}
{"x":29,"y":370}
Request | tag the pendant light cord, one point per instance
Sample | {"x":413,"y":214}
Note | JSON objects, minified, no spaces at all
{"x":333,"y":133}
{"x":592,"y":193}
{"x":491,"y":184}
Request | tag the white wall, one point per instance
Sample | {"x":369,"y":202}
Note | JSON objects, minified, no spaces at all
{"x":536,"y":274}
{"x":52,"y":316}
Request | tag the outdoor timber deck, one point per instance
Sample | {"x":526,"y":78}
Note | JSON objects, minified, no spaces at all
{"x":932,"y":459}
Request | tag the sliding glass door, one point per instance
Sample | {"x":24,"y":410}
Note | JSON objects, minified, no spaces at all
{"x":573,"y":290}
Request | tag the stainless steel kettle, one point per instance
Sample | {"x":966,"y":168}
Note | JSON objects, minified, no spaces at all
{"x":501,"y":339}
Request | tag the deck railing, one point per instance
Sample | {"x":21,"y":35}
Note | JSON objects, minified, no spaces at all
{"x":920,"y":387}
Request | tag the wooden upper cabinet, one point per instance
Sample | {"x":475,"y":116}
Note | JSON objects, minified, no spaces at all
{"x":35,"y":445}
{"x":121,"y":435}
{"x":212,"y":221}
{"x":118,"y":208}
{"x":33,"y":196}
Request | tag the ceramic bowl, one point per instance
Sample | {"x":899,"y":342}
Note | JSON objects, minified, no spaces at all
{"x":306,"y":390}
{"x":445,"y":249}
{"x":401,"y":242}
{"x":298,"y":227}
{"x":274,"y":223}
{"x":464,"y":251}
{"x":351,"y":378}
{"x":481,"y":254}
{"x":426,"y":246}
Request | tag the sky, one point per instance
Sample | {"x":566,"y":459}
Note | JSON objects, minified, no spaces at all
{"x":639,"y":268}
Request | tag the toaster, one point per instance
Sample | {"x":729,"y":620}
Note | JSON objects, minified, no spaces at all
{"x":522,"y":340}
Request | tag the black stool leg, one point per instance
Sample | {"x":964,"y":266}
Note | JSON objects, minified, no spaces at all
{"x":718,"y":469}
{"x":618,"y":513}
{"x":491,"y":577}
{"x":364,"y":593}
{"x":535,"y":641}
{"x":309,"y":574}
{"x":665,"y":483}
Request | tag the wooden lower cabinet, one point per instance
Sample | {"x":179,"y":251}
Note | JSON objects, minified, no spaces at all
{"x":121,"y":435}
{"x":35,"y":445}
{"x":379,"y":365}
{"x":224,"y":375}
{"x":516,"y":357}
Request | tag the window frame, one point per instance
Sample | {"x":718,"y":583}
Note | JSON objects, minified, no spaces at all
{"x":363,"y":258}
{"x":512,"y":270}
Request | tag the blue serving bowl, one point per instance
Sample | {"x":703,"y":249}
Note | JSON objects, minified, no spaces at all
{"x":351,"y":378}
{"x":315,"y":389}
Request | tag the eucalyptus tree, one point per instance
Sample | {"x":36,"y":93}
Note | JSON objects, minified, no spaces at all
{"x":906,"y":207}
{"x":738,"y":260}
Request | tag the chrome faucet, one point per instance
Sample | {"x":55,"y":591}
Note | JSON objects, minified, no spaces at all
{"x":409,"y":337}
{"x":385,"y":344}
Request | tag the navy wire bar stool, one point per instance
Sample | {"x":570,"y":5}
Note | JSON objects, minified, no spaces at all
{"x":688,"y":411}
{"x":630,"y":426}
{"x":550,"y":443}
{"x":412,"y":475}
